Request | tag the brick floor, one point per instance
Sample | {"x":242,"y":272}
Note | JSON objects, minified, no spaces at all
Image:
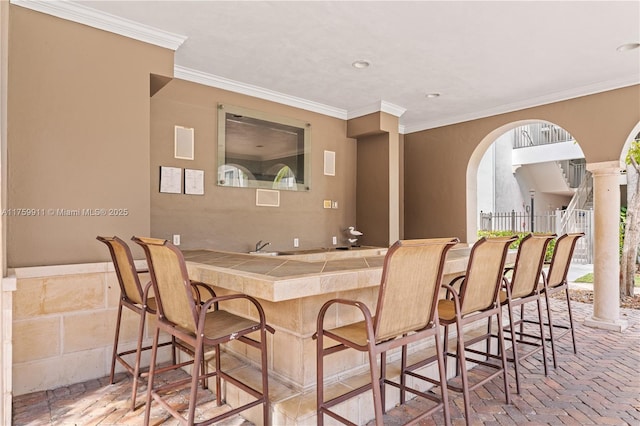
{"x":598,"y":386}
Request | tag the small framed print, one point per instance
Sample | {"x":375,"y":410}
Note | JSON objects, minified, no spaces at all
{"x":329,"y":163}
{"x":183,"y":143}
{"x":170,"y":180}
{"x":267,"y":198}
{"x":193,"y":182}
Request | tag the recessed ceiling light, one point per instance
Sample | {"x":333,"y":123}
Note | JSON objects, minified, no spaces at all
{"x":360,"y":64}
{"x":627,"y":46}
{"x":432,"y":95}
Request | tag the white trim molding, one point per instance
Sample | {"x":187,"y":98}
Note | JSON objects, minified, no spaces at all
{"x":380,"y":106}
{"x":211,"y":80}
{"x":104,"y":21}
{"x":550,"y":98}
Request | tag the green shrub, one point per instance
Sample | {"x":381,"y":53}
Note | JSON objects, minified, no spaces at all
{"x":516,"y":243}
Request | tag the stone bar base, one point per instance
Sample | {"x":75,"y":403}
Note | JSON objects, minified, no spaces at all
{"x":298,"y":408}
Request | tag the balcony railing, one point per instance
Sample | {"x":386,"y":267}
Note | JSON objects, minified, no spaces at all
{"x":539,"y":134}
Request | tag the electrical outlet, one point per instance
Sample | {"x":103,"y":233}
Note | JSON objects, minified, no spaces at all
{"x":335,"y":240}
{"x":176,"y":239}
{"x":296,"y":242}
{"x":334,"y":204}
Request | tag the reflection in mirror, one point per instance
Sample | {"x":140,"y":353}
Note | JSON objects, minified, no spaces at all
{"x":259,"y":150}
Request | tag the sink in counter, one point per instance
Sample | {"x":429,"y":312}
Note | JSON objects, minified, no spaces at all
{"x":332,"y":253}
{"x":265,"y":253}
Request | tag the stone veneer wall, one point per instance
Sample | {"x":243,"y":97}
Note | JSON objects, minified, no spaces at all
{"x":6,"y":375}
{"x":63,"y":325}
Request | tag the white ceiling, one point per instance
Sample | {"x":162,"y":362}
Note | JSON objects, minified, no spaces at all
{"x":483,"y":57}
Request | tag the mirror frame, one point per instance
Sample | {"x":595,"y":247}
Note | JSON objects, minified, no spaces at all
{"x":224,"y":109}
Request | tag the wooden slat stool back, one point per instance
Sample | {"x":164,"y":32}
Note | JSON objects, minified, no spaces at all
{"x":203,"y":325}
{"x":405,"y":313}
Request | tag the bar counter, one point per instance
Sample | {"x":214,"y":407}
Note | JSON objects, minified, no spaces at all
{"x":292,"y":289}
{"x":293,"y":276}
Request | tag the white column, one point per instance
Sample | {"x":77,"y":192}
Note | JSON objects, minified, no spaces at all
{"x":606,"y":280}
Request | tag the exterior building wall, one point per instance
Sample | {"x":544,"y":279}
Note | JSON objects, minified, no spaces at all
{"x":487,"y":181}
{"x":428,"y":156}
{"x":503,"y":187}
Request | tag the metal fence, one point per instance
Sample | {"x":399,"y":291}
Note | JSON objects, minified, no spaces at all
{"x":517,"y":221}
{"x":549,"y":222}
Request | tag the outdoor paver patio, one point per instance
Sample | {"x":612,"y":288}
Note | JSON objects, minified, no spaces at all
{"x":598,"y":386}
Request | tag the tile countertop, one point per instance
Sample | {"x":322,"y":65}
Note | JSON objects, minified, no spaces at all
{"x":278,"y":278}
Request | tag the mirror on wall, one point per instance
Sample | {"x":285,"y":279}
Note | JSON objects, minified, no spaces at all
{"x":260,"y":150}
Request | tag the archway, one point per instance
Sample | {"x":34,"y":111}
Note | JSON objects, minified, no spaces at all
{"x":533,"y":178}
{"x":515,"y":164}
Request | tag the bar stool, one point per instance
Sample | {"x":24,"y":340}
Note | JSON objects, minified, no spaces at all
{"x":520,"y":289}
{"x":405,"y":313}
{"x":477,"y":299}
{"x":136,"y":299}
{"x":201,"y":324}
{"x":555,"y":281}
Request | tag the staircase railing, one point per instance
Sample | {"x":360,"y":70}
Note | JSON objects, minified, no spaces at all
{"x":573,"y":171}
{"x":579,"y":200}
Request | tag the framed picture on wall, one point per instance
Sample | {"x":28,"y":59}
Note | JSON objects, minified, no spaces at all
{"x":183,"y":143}
{"x":170,"y":180}
{"x":193,"y":182}
{"x":329,"y":163}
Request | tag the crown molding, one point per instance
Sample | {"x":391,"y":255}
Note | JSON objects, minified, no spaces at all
{"x":104,"y":21}
{"x":211,"y":80}
{"x":564,"y":95}
{"x":256,"y":91}
{"x":389,"y":108}
{"x":381,"y":106}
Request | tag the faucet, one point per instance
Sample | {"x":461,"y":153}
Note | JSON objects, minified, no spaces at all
{"x":260,"y":245}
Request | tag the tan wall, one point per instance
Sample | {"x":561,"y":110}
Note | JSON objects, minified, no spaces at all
{"x":380,"y":191}
{"x":437,"y":160}
{"x":373,"y":189}
{"x":78,"y":136}
{"x":227,"y":218}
